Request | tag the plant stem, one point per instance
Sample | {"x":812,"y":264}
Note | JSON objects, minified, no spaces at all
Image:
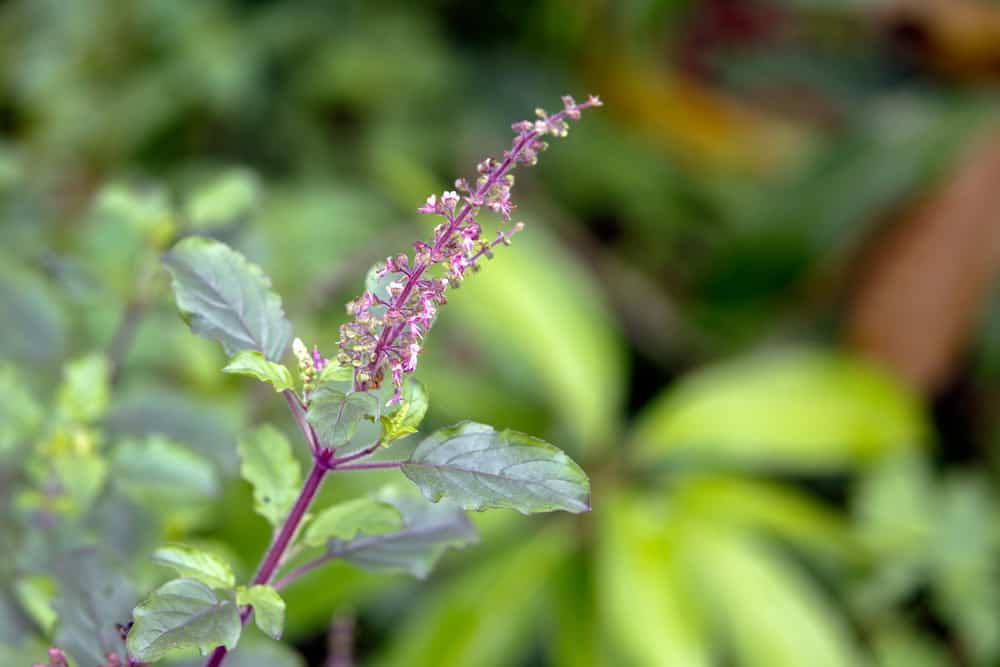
{"x":272,"y":559}
{"x":298,"y":411}
{"x":358,"y":455}
{"x":372,"y":465}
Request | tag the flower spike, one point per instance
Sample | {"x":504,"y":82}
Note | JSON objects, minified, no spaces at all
{"x":386,"y":334}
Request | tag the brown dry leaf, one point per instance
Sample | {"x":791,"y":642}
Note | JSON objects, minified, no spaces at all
{"x":959,"y":38}
{"x":926,"y":282}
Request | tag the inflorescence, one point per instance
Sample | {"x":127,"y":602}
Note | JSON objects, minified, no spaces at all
{"x":387,"y":333}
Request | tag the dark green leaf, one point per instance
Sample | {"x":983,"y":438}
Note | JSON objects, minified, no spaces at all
{"x":183,"y":614}
{"x":344,"y":521}
{"x":92,"y":598}
{"x":268,"y":608}
{"x":480,"y":468}
{"x":196,"y":564}
{"x":335,"y":414}
{"x":253,"y":364}
{"x":34,"y":326}
{"x":428,"y":531}
{"x":268,"y":464}
{"x":225,"y":298}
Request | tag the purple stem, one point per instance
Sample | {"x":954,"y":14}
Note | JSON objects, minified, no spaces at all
{"x":277,"y":550}
{"x":372,"y":465}
{"x":298,"y":411}
{"x":357,"y":455}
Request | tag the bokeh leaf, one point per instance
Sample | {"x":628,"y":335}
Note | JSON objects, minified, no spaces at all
{"x":805,"y":410}
{"x":225,"y":298}
{"x":645,"y":598}
{"x":157,"y":468}
{"x":480,"y":468}
{"x":92,"y":598}
{"x":84,"y":393}
{"x":770,"y":613}
{"x":478,"y":618}
{"x":272,"y":470}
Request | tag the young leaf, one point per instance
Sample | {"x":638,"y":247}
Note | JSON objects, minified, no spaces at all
{"x":268,"y":464}
{"x":480,"y":468}
{"x":335,"y":414}
{"x":253,"y":364}
{"x":344,"y":521}
{"x":428,"y":531}
{"x":196,"y":564}
{"x":225,"y":298}
{"x":182,"y":614}
{"x":268,"y":608}
{"x":406,"y":419}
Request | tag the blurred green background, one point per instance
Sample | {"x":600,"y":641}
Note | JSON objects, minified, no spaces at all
{"x":756,"y":299}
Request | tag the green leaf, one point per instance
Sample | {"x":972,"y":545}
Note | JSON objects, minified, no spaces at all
{"x":182,"y":614}
{"x":407,"y":417}
{"x":35,"y":594}
{"x":228,"y":199}
{"x":777,"y":510}
{"x":20,"y":413}
{"x":93,"y":596}
{"x":272,"y":470}
{"x":195,"y":564}
{"x":84,"y":393}
{"x":147,"y":209}
{"x":159,"y":468}
{"x":965,"y":582}
{"x":771,"y":613}
{"x":428,"y":531}
{"x":225,"y":298}
{"x":268,"y":608}
{"x":806,"y":410}
{"x":479,"y":617}
{"x":344,"y":521}
{"x":645,"y":596}
{"x":335,"y":414}
{"x":253,"y":364}
{"x":82,"y":475}
{"x":34,"y":329}
{"x":480,"y":468}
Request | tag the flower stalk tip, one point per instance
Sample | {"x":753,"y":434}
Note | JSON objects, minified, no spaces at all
{"x":386,"y":331}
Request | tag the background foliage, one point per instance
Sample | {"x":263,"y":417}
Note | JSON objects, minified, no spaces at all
{"x":756,"y":299}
